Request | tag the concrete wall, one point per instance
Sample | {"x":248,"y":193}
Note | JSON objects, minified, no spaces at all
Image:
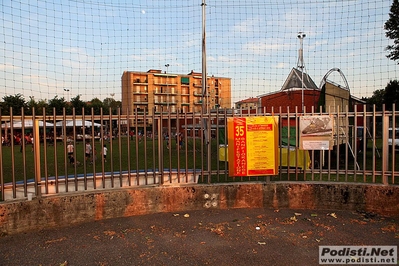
{"x":23,"y":215}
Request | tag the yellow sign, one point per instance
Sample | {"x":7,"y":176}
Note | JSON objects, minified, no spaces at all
{"x":253,"y":143}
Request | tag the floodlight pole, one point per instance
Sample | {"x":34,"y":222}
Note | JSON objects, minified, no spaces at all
{"x":301,"y":65}
{"x":67,"y":90}
{"x":204,"y":92}
{"x":204,"y":81}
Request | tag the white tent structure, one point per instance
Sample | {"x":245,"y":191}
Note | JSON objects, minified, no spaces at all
{"x":77,"y":123}
{"x":27,"y":123}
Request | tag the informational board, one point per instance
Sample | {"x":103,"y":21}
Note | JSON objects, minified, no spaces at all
{"x":316,"y":132}
{"x":253,"y":143}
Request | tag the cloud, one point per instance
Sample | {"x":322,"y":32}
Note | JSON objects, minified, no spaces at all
{"x":280,"y":65}
{"x":247,"y":26}
{"x":263,"y":47}
{"x":9,"y":67}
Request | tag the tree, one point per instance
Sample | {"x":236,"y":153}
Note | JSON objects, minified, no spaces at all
{"x":42,"y":104}
{"x":31,"y":105}
{"x":17,"y":102}
{"x":391,"y":95}
{"x":387,"y":96}
{"x":392,"y":31}
{"x":110,"y":103}
{"x":97,"y":105}
{"x":58,"y":104}
{"x":377,"y":99}
{"x":78,"y":104}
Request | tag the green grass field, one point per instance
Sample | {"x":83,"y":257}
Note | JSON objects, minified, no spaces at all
{"x":129,"y":155}
{"x":123,"y":155}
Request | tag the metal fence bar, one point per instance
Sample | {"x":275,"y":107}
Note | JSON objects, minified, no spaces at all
{"x":129,"y":139}
{"x":2,"y":196}
{"x":23,"y":156}
{"x":374,"y":133}
{"x":393,"y":150}
{"x":350,"y":161}
{"x":145,"y":136}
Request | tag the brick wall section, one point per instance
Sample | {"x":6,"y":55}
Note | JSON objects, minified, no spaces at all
{"x":72,"y":208}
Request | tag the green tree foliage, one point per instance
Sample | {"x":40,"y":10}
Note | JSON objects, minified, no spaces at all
{"x":96,"y":104}
{"x":42,"y":104}
{"x":31,"y":105}
{"x":387,"y":96}
{"x":377,"y":99}
{"x":57,"y":104}
{"x":17,"y":102}
{"x":392,"y":31}
{"x":391,"y":95}
{"x":78,"y":104}
{"x":110,"y":103}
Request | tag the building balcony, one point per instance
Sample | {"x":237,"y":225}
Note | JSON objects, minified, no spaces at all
{"x":165,"y":93}
{"x":166,"y":84}
{"x":165,"y":103}
{"x":200,"y":95}
{"x":140,"y":92}
{"x":139,"y":81}
{"x":139,"y":112}
{"x":200,"y":85}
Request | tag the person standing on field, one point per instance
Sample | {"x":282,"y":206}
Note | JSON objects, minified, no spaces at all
{"x":87,"y":151}
{"x":70,"y":148}
{"x":104,"y":152}
{"x":70,"y":151}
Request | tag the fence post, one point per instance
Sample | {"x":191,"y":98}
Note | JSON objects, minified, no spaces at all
{"x":36,"y":156}
{"x":385,"y":149}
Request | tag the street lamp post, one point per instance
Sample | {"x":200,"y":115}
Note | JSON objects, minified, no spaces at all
{"x":301,"y":64}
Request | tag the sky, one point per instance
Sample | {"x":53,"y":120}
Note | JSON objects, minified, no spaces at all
{"x":68,"y":48}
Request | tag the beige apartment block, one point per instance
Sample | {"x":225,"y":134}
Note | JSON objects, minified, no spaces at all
{"x":157,"y":91}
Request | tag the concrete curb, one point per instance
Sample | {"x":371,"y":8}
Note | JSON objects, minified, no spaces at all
{"x":79,"y":207}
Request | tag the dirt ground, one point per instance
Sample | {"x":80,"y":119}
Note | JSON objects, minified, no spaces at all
{"x":206,"y":237}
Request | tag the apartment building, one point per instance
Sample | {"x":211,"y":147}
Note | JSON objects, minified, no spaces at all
{"x":159,"y":91}
{"x":249,"y":103}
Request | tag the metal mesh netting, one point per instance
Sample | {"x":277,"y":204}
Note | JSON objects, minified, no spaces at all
{"x":68,"y":48}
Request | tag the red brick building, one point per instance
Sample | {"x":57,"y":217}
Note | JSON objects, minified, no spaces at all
{"x":330,"y":96}
{"x":290,"y":96}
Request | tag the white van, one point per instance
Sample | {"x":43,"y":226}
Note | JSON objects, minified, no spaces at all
{"x":393,"y":140}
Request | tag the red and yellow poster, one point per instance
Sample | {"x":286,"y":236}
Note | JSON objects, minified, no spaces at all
{"x":253,"y":143}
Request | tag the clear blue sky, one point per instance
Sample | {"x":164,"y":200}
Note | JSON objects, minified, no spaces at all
{"x":84,"y":46}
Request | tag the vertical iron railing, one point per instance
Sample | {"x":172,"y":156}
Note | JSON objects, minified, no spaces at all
{"x":140,"y":159}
